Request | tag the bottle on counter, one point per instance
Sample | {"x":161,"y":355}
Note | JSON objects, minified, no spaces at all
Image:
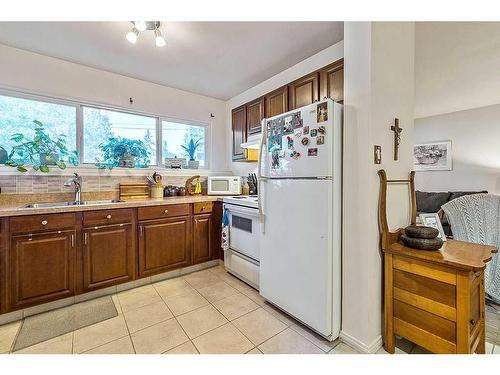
{"x":245,"y":188}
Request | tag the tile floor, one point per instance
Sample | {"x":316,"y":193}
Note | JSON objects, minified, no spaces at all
{"x":208,"y":311}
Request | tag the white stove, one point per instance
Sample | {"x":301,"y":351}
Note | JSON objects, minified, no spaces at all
{"x":243,"y":256}
{"x":243,"y":200}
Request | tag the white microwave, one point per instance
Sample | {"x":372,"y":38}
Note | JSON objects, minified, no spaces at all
{"x":224,"y":185}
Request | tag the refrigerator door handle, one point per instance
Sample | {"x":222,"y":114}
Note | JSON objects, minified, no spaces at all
{"x":259,"y":175}
{"x":261,"y":146}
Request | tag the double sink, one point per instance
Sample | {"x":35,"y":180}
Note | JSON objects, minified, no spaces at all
{"x":73,"y":203}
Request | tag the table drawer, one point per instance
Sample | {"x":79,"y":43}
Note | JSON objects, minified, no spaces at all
{"x":159,"y":212}
{"x":202,"y":207}
{"x":104,"y":217}
{"x":35,"y":223}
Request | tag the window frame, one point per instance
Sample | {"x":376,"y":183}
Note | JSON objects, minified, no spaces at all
{"x":79,"y":105}
{"x":49,"y":100}
{"x":82,"y":127}
{"x":208,"y":138}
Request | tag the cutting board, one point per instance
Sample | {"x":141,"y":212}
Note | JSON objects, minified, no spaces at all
{"x":134,"y":190}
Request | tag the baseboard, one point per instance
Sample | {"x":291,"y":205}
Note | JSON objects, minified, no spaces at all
{"x":361,"y":347}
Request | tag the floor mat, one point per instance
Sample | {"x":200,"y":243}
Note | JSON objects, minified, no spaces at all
{"x":45,"y":326}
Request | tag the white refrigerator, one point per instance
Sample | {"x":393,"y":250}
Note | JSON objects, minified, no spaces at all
{"x":300,"y":203}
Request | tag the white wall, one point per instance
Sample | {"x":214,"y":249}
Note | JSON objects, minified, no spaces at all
{"x":317,"y":61}
{"x":27,"y":71}
{"x":475,"y":138}
{"x":456,"y":66}
{"x":379,"y":86}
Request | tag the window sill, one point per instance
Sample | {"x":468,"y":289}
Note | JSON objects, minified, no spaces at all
{"x":90,"y":170}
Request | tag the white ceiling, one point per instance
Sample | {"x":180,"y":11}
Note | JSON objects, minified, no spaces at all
{"x":217,"y":59}
{"x":456,"y":66}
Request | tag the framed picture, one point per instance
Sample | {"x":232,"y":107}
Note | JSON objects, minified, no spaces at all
{"x":433,"y":221}
{"x":434,"y":156}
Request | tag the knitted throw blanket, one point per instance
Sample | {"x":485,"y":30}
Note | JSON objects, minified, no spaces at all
{"x":476,"y":218}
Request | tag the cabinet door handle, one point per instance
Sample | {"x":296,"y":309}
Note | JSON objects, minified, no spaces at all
{"x":108,"y":217}
{"x":472,"y":322}
{"x":72,"y":240}
{"x":85,"y":238}
{"x":140,"y":230}
{"x":166,"y":211}
{"x":203,"y":208}
{"x":44,"y":222}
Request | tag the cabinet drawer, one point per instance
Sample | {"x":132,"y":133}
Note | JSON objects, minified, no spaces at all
{"x":202,"y":207}
{"x":104,"y":217}
{"x":158,"y":212}
{"x":27,"y":224}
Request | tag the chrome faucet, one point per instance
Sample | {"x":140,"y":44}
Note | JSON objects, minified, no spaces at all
{"x":75,"y":181}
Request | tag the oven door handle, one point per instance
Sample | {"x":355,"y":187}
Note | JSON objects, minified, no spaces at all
{"x":242,"y":210}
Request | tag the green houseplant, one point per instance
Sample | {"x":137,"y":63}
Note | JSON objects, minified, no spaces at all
{"x":190,"y":148}
{"x":41,"y":152}
{"x":123,"y":152}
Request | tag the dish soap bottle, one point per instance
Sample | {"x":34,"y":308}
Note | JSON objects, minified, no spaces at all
{"x":245,"y":189}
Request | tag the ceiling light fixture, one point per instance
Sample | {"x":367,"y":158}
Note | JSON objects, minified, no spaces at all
{"x":159,"y":40}
{"x":132,"y":35}
{"x":140,"y":26}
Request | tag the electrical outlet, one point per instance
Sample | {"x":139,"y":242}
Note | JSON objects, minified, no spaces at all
{"x":377,"y":154}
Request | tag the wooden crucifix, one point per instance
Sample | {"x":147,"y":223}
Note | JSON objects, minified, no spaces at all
{"x":397,"y":137}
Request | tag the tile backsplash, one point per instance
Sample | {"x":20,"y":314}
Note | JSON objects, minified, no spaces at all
{"x":55,"y":184}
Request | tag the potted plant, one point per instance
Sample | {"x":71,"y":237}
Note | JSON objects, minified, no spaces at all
{"x":190,"y":148}
{"x":41,"y":152}
{"x":123,"y":152}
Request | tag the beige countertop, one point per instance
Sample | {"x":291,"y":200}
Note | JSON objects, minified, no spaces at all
{"x":13,"y":210}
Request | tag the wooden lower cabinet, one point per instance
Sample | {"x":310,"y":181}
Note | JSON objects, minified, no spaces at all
{"x":108,"y":256}
{"x":202,"y":235}
{"x":42,"y":267}
{"x":440,"y":308}
{"x":83,"y":252}
{"x":164,"y":245}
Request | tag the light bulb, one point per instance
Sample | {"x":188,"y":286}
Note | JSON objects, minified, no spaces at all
{"x":159,"y":40}
{"x":132,"y":35}
{"x":140,"y":25}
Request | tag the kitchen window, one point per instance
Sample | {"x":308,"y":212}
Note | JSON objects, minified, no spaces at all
{"x":183,"y":140}
{"x":87,"y":127}
{"x":103,"y":126}
{"x":18,"y":113}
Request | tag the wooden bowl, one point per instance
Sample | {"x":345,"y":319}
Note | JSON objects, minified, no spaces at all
{"x":422,"y":243}
{"x":417,"y":231}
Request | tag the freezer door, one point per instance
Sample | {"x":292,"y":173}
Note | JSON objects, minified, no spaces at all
{"x":299,"y":143}
{"x":300,"y":259}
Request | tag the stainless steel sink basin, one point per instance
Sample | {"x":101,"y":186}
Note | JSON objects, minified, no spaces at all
{"x":64,"y":204}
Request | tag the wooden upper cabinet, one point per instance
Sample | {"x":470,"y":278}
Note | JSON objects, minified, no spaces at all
{"x":303,"y":91}
{"x":108,"y":256}
{"x":164,"y":245}
{"x":239,"y":126}
{"x":255,"y":114}
{"x":332,"y":81}
{"x":277,"y":102}
{"x":42,"y":268}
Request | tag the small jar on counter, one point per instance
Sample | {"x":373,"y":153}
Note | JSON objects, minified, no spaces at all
{"x":245,"y":188}
{"x":181,"y":191}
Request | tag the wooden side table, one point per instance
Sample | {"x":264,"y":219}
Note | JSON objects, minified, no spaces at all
{"x":432,"y":298}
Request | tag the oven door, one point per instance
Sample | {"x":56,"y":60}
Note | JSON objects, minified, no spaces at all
{"x":244,"y":230}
